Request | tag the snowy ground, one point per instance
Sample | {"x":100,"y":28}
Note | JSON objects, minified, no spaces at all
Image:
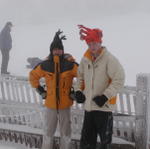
{"x":12,"y":146}
{"x":4,"y":145}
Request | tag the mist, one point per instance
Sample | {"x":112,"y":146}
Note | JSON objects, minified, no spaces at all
{"x":42,"y":11}
{"x":125,"y":25}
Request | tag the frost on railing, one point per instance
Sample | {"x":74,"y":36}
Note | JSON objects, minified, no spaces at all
{"x":15,"y":115}
{"x":22,"y":112}
{"x":143,"y":111}
{"x":17,"y":90}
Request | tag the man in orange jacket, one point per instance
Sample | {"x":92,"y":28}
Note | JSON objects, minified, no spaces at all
{"x":58,"y":73}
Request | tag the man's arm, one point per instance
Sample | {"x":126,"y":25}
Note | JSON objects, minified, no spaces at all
{"x":80,"y":77}
{"x":35,"y":75}
{"x":80,"y":97}
{"x":34,"y":78}
{"x":117,"y":76}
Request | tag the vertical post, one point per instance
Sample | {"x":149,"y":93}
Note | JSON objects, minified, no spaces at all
{"x":142,"y":108}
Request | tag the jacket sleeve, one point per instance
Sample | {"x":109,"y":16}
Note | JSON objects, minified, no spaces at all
{"x":80,"y":77}
{"x":35,"y":75}
{"x":117,"y":76}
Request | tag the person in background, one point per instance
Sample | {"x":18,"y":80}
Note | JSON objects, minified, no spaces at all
{"x":33,"y":62}
{"x":100,"y":77}
{"x":59,"y":74}
{"x":5,"y":46}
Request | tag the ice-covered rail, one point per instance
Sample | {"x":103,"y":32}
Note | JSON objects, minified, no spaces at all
{"x":21,"y":113}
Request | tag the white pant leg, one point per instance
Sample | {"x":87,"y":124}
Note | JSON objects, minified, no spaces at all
{"x":65,"y":128}
{"x":50,"y":125}
{"x":65,"y":142}
{"x":47,"y":142}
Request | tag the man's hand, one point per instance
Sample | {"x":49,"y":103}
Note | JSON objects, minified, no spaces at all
{"x":100,"y":100}
{"x":80,"y":97}
{"x":41,"y":91}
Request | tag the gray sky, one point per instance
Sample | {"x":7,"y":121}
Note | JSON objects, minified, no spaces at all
{"x":38,"y":11}
{"x":125,"y":24}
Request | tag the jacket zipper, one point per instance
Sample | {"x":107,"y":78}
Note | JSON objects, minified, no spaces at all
{"x":92,"y":76}
{"x":57,"y":86}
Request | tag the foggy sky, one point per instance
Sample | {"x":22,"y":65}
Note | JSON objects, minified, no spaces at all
{"x":42,"y":11}
{"x":125,"y":24}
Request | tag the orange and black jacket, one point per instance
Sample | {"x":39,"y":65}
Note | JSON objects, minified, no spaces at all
{"x":58,"y":74}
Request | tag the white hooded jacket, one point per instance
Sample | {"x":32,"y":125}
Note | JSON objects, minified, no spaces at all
{"x":105,"y":76}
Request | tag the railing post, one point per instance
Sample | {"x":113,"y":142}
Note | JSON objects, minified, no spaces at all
{"x":142,"y":108}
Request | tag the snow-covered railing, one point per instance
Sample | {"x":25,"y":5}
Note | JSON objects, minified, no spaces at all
{"x":21,"y":113}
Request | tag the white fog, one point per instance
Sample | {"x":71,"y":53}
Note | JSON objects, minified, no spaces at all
{"x":125,"y":26}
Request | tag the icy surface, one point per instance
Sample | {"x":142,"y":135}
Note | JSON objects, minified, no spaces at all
{"x":6,"y":145}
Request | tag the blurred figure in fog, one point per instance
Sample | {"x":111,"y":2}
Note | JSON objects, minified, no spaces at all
{"x":5,"y":46}
{"x":33,"y":62}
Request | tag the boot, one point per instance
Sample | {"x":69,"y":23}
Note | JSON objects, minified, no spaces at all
{"x":5,"y":73}
{"x":88,"y":146}
{"x":105,"y":146}
{"x":47,"y":142}
{"x":65,"y":142}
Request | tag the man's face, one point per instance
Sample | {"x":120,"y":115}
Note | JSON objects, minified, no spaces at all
{"x":57,"y":52}
{"x":94,"y":47}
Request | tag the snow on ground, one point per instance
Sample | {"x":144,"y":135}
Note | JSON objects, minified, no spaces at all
{"x":7,"y":145}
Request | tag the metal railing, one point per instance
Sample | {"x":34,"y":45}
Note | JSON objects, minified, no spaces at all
{"x":21,"y":113}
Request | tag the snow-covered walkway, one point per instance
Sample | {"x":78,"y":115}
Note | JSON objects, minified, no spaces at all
{"x":7,"y":145}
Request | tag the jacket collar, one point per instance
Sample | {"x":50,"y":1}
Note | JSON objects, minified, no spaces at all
{"x":88,"y":55}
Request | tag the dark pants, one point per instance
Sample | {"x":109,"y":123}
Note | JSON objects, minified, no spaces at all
{"x":5,"y":59}
{"x":96,"y":123}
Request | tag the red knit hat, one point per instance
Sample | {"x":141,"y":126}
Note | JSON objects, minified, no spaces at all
{"x":90,"y":35}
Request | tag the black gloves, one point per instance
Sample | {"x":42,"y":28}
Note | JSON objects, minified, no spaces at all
{"x":100,"y":100}
{"x":41,"y":91}
{"x":80,"y":97}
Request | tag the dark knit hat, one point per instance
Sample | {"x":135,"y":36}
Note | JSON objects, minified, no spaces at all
{"x":57,"y":41}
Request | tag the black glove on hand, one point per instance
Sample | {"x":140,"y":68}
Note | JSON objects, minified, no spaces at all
{"x":80,"y":97}
{"x":41,"y":91}
{"x":100,"y":100}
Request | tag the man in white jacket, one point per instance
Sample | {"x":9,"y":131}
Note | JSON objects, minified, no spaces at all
{"x":100,"y":77}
